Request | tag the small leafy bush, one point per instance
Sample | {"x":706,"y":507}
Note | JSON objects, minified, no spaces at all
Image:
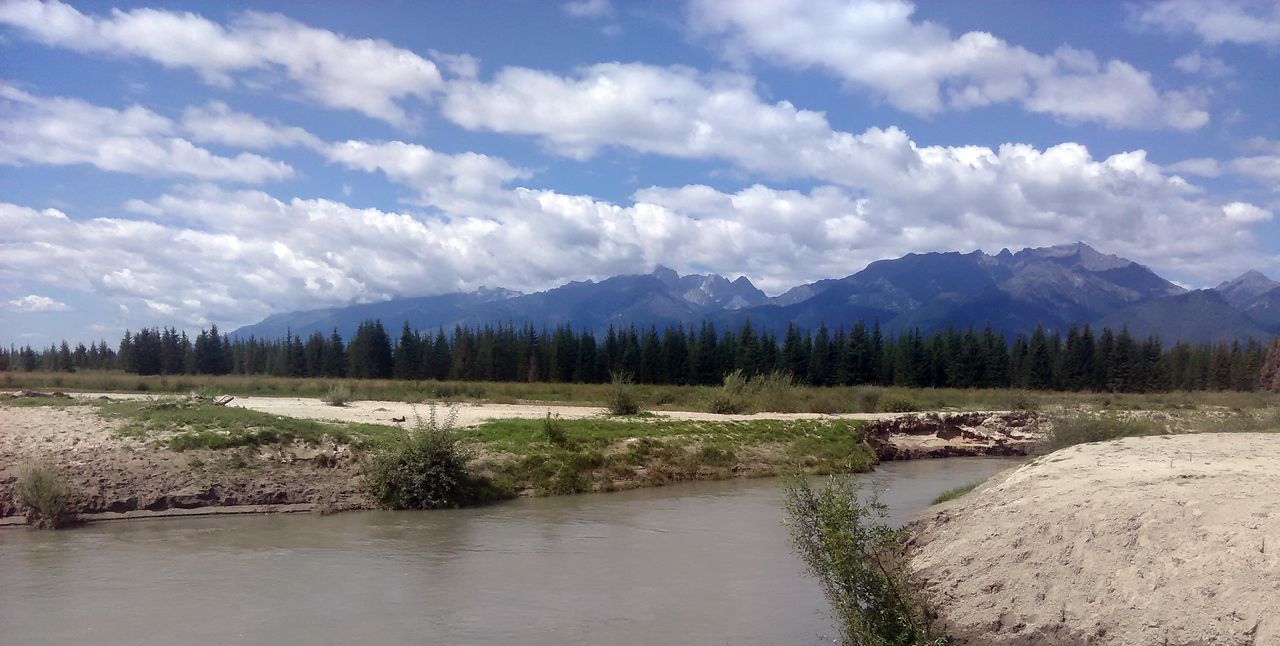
{"x":44,"y":492}
{"x":622,"y":396}
{"x":554,"y":432}
{"x":861,"y":563}
{"x":428,"y":468}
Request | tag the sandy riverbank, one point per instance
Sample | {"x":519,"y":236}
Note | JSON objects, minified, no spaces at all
{"x":1153,"y":540}
{"x":469,"y":414}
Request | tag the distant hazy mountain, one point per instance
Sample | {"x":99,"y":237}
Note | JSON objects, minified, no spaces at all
{"x":1245,"y":290}
{"x":1202,"y":316}
{"x":1014,"y":292}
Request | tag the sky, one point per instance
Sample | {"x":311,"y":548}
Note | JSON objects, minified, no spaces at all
{"x":186,"y":164}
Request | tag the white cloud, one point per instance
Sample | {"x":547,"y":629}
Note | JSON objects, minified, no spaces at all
{"x":588,"y":8}
{"x":1262,"y":168}
{"x":205,"y":253}
{"x":1216,"y":21}
{"x":366,"y":75}
{"x":1199,"y":166}
{"x":1197,"y":63}
{"x":37,"y":303}
{"x":1242,"y":212}
{"x":440,"y":179}
{"x":62,"y":131}
{"x":918,"y":66}
{"x":218,"y":123}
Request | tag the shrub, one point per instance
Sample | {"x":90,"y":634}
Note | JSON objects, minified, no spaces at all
{"x":860,"y":562}
{"x":869,"y":399}
{"x":428,"y":468}
{"x":622,"y":397}
{"x":775,"y":391}
{"x":733,"y":396}
{"x":338,"y":395}
{"x":1081,"y":428}
{"x":554,"y":432}
{"x":1025,"y":401}
{"x":45,"y":494}
{"x":899,"y":405}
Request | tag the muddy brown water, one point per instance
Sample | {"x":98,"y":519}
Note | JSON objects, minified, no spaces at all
{"x":702,"y":563}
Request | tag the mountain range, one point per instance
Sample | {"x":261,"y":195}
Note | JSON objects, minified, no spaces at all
{"x":1054,"y":287}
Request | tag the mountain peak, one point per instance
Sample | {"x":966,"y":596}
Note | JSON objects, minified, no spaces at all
{"x":1247,"y":288}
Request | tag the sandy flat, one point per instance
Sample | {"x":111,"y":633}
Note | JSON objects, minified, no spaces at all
{"x":383,"y":412}
{"x":1155,"y":540}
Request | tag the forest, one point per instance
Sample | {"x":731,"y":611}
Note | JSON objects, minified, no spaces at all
{"x":1082,"y":360}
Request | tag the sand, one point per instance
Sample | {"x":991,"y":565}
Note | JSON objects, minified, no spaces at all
{"x":469,"y":414}
{"x":1155,"y":540}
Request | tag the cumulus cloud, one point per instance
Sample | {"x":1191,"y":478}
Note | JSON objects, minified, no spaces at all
{"x":62,"y":131}
{"x":366,"y":75}
{"x":1243,"y":212}
{"x":441,"y":179}
{"x":1199,"y":166}
{"x":918,"y":66}
{"x":1215,"y":22}
{"x":218,"y":123}
{"x":37,"y":303}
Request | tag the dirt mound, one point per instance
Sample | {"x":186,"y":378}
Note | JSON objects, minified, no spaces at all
{"x":1153,"y":540}
{"x":912,"y":437}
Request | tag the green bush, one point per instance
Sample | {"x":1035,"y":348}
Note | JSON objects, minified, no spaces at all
{"x":860,"y":562}
{"x":338,"y":395}
{"x":622,"y":397}
{"x":869,"y":399}
{"x":899,"y":405}
{"x":554,"y":432}
{"x":45,"y":495}
{"x":733,"y":397}
{"x":428,"y":468}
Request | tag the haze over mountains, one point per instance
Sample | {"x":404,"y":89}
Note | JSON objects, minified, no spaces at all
{"x":1014,"y":292}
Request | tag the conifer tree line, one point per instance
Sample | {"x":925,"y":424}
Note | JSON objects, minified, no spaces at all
{"x":1081,"y":360}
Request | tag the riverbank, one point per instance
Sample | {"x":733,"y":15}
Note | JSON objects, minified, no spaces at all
{"x":1146,"y":540}
{"x":138,"y":457}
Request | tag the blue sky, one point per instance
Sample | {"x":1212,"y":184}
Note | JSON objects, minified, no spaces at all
{"x":194,"y":163}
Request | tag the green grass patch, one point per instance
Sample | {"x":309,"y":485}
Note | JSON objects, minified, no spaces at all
{"x":602,"y":454}
{"x":955,"y":492}
{"x":207,"y":426}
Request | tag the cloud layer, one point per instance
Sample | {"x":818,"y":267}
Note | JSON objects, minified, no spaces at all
{"x":920,"y":67}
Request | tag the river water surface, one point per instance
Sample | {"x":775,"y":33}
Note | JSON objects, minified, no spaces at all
{"x":701,"y":563}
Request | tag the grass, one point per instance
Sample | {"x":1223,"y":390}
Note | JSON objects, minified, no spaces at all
{"x":1083,"y":428}
{"x":844,"y":399}
{"x":955,"y":492}
{"x":607,"y":454}
{"x":208,"y":426}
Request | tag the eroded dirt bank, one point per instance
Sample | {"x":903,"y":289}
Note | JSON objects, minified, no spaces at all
{"x":112,"y":473}
{"x":1152,"y":540}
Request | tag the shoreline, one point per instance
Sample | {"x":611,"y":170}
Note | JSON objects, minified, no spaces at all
{"x":121,"y":472}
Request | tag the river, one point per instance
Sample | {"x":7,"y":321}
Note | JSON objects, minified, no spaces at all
{"x":699,"y":563}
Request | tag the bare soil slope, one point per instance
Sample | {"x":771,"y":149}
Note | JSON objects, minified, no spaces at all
{"x":1153,"y":540}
